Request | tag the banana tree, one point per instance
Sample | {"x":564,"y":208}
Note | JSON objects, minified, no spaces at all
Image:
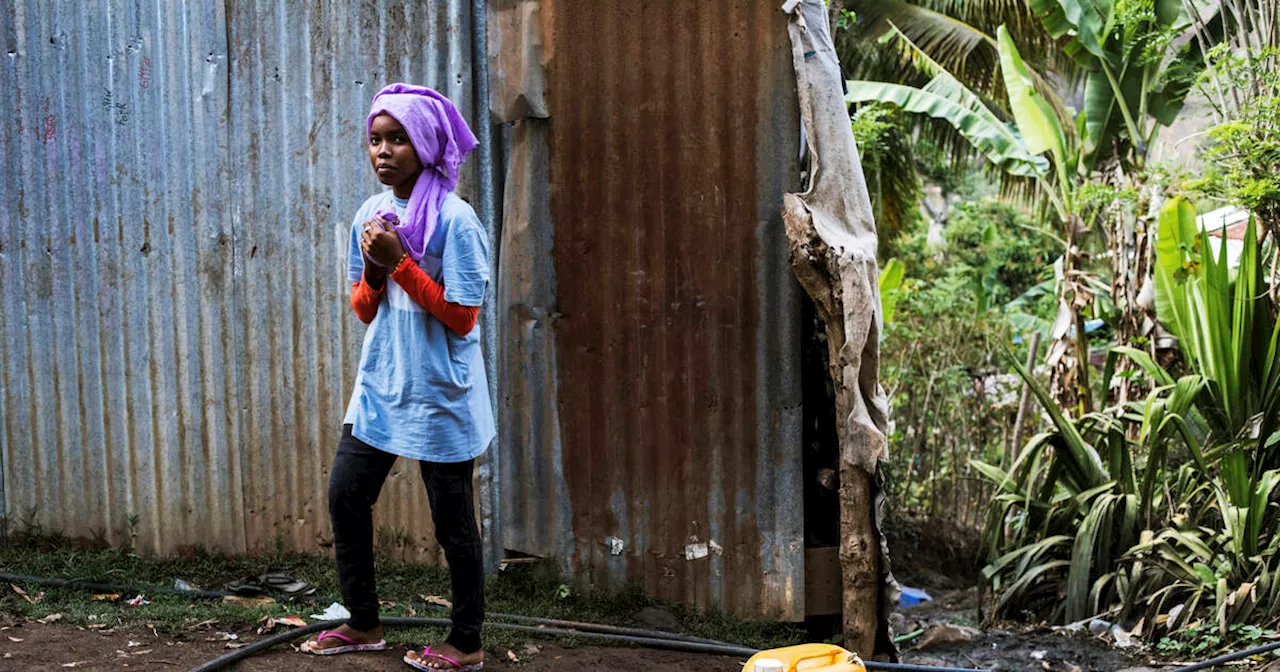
{"x":1135,"y":59}
{"x":1138,"y":63}
{"x":1036,"y":147}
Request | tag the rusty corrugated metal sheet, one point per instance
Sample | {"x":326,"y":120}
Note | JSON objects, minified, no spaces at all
{"x":179,"y":182}
{"x":651,"y":370}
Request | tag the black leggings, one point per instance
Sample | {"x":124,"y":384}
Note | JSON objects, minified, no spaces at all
{"x":358,"y":473}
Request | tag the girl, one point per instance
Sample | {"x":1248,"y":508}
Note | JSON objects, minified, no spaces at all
{"x":419,"y":264}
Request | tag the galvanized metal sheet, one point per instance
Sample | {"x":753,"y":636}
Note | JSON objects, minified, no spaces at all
{"x":300,"y":92}
{"x":651,"y":371}
{"x":176,"y":207}
{"x":535,"y":506}
{"x":116,"y":265}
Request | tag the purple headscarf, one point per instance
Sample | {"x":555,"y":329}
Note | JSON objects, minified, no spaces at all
{"x":442,"y":140}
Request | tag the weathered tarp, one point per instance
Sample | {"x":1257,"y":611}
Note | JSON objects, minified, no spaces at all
{"x":833,"y":238}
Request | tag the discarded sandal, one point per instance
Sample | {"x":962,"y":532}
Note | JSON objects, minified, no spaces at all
{"x":248,"y":586}
{"x":279,"y":581}
{"x":352,"y":646}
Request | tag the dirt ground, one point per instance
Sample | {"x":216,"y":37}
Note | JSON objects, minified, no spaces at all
{"x":938,"y":562}
{"x":54,"y":648}
{"x":944,"y":561}
{"x":949,"y":640}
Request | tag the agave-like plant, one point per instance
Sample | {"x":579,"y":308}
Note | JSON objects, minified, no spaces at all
{"x":1223,"y":321}
{"x":1080,"y":496}
{"x":1159,"y":511}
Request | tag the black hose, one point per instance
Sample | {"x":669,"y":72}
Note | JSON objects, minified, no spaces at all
{"x":1230,"y":657}
{"x":607,"y":629}
{"x":284,"y":637}
{"x":111,"y":587}
{"x":653,"y":643}
{"x":218,"y":595}
{"x":905,"y":667}
{"x":648,"y":638}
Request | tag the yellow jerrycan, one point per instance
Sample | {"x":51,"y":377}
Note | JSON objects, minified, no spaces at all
{"x":805,"y":658}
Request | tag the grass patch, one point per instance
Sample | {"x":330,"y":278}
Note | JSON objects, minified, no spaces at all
{"x":1203,"y":640}
{"x":522,"y":589}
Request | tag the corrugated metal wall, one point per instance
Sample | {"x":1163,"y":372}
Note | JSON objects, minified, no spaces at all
{"x":302,"y":77}
{"x":179,"y":182}
{"x":651,"y":370}
{"x":117,"y":270}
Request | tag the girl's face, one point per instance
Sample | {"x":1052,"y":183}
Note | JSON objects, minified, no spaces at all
{"x":393,"y":156}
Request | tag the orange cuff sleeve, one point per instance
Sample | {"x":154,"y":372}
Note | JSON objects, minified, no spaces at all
{"x":365,"y":300}
{"x":429,"y":294}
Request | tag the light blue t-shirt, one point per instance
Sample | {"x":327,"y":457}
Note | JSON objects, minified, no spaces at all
{"x":421,"y":390}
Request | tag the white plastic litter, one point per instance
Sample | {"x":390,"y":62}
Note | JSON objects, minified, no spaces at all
{"x":1099,"y":627}
{"x":1122,"y":637}
{"x":335,"y":612}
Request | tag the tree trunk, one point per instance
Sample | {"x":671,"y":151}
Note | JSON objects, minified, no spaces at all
{"x":1068,"y":355}
{"x":1024,"y":404}
{"x":1131,"y":259}
{"x":921,"y":427}
{"x":907,"y":477}
{"x":859,"y":558}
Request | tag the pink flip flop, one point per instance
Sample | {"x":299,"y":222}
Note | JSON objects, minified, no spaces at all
{"x":457,"y":667}
{"x":352,"y":645}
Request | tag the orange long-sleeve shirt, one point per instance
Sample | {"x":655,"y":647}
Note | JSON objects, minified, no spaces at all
{"x":422,"y":290}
